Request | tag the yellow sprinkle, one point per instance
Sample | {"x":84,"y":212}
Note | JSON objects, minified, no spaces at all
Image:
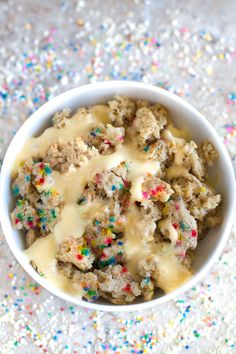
{"x":221,"y":56}
{"x":197,"y":56}
{"x":49,"y":64}
{"x":207,"y":37}
{"x":180,"y":237}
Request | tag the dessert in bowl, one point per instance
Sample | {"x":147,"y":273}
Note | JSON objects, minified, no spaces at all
{"x":117,"y":195}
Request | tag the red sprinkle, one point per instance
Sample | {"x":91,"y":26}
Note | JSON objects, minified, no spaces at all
{"x":107,"y":142}
{"x":108,"y":241}
{"x":41,"y":180}
{"x":127,"y":288}
{"x":194,"y":233}
{"x":42,"y":166}
{"x":175,"y":225}
{"x":177,"y":206}
{"x":17,"y":221}
{"x":79,"y":257}
{"x":124,"y":270}
{"x":160,"y":188}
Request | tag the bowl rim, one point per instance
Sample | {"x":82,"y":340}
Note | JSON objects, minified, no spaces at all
{"x":5,"y":171}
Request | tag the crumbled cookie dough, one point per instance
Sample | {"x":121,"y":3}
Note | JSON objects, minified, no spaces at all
{"x":149,"y":268}
{"x":147,"y":288}
{"x":208,"y":153}
{"x":116,"y":284}
{"x":192,"y":161}
{"x":179,"y":226}
{"x":76,"y":252}
{"x":30,"y":238}
{"x":121,"y":111}
{"x":199,"y":198}
{"x":105,"y":138}
{"x":110,"y":184}
{"x":148,"y":123}
{"x":86,"y":282}
{"x":61,"y":156}
{"x":143,"y":200}
{"x":156,"y":190}
{"x":38,"y":205}
{"x":156,"y":151}
{"x":60,"y":118}
{"x":24,"y":215}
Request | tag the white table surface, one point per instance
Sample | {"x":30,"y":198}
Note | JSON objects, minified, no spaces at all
{"x":189,"y":48}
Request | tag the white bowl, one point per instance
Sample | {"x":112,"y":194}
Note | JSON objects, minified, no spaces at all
{"x":183,"y":115}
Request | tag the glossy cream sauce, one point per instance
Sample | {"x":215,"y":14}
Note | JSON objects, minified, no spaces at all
{"x":75,"y":218}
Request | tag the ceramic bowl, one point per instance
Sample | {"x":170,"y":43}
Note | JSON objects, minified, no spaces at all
{"x":183,"y":115}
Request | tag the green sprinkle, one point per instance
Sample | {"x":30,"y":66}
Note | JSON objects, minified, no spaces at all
{"x":54,"y":214}
{"x":19,"y":216}
{"x":112,"y":219}
{"x":85,"y":251}
{"x":20,"y":202}
{"x":91,"y":292}
{"x":196,"y":334}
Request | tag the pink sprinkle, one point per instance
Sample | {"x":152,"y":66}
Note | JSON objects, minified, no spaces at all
{"x":153,"y":192}
{"x":184,"y":30}
{"x":182,"y":254}
{"x":120,"y":138}
{"x":145,"y":195}
{"x":107,"y":142}
{"x":97,"y":178}
{"x":177,"y":206}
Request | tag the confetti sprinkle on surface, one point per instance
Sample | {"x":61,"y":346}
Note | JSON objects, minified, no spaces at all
{"x":42,"y":55}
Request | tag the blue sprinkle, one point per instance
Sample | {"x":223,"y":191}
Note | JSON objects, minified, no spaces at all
{"x":120,"y":243}
{"x":146,"y":148}
{"x":16,"y":191}
{"x":3,"y":95}
{"x":113,"y":188}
